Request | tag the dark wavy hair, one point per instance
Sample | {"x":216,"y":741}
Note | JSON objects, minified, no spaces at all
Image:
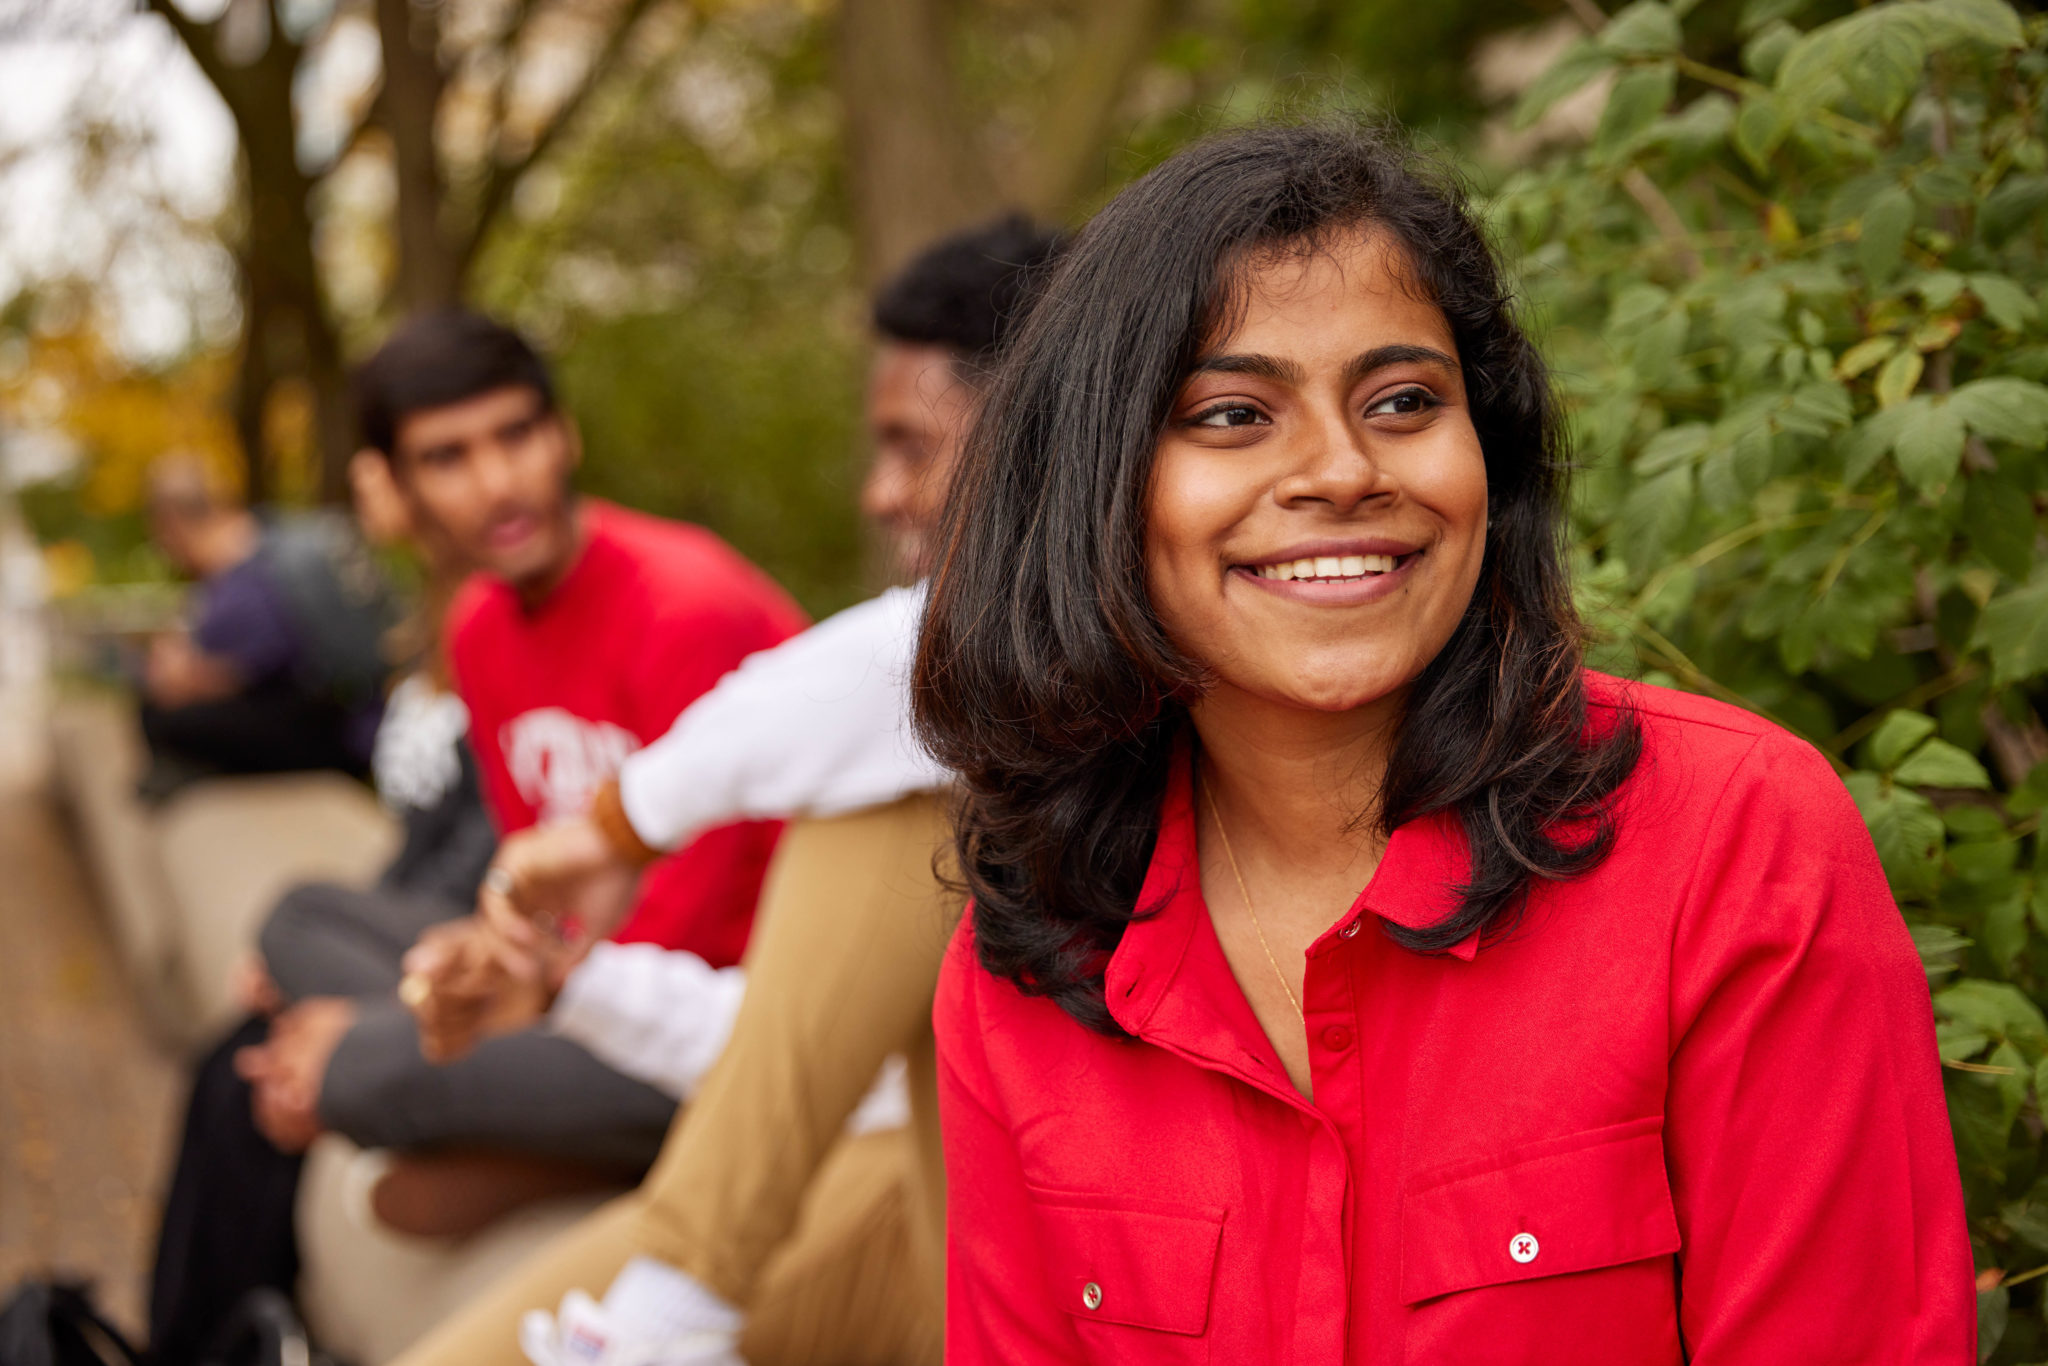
{"x":1044,"y":677}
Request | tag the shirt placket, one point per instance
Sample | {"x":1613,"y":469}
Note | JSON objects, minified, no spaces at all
{"x":1329,"y":1009}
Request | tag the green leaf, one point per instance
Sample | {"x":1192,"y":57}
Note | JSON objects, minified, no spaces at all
{"x":2031,"y":796}
{"x":1881,"y":242}
{"x":1654,"y":512}
{"x":2004,"y":409}
{"x":2013,"y":627}
{"x":1762,"y":54}
{"x":1897,"y":736}
{"x":1999,"y":1009}
{"x":2027,"y":1219}
{"x":1868,"y":443}
{"x":1998,"y":517}
{"x":1940,"y":947}
{"x":1939,"y":288}
{"x":2017,"y":202}
{"x":1929,"y":450}
{"x":1759,"y":127}
{"x":1990,"y":22}
{"x":1994,"y":1312}
{"x":1865,"y":354}
{"x":1644,"y":29}
{"x":1958,"y":1042}
{"x":1638,"y":97}
{"x":1575,"y":66}
{"x":1940,"y":764}
{"x":2005,"y":302}
{"x":1877,"y":52}
{"x":1674,"y":446}
{"x":1886,"y":68}
{"x":1898,"y":379}
{"x":2005,"y":931}
{"x":1906,"y":830}
{"x":1757,"y":13}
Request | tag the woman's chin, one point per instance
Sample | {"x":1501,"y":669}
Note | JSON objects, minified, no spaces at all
{"x":1327,"y":690}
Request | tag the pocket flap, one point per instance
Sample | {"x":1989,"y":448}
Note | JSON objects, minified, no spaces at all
{"x":1588,"y":1200}
{"x":1142,"y":1263}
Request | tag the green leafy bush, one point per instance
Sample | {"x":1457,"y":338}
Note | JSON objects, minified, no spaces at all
{"x":1797,"y":309}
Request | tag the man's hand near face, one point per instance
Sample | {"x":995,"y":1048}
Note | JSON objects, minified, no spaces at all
{"x":179,"y":673}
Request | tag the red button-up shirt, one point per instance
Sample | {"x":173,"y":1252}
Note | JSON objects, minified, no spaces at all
{"x":1689,"y":1110}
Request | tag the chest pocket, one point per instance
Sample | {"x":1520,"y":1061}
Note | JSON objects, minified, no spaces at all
{"x":1118,"y":1264}
{"x":1578,"y":1203}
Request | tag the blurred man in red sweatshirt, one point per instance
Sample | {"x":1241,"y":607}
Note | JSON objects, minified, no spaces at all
{"x":588,"y":630}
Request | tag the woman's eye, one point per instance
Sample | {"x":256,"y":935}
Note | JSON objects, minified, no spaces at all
{"x":1230,"y":415}
{"x":1404,"y":404}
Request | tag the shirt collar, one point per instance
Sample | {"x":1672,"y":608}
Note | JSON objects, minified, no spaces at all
{"x":1416,"y":885}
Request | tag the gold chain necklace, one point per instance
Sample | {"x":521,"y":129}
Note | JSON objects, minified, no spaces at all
{"x":1245,"y":895}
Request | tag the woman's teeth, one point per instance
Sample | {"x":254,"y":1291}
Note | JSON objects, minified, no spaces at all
{"x":1328,"y":567}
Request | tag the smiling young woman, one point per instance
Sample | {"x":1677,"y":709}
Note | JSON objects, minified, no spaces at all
{"x":1353,"y":977}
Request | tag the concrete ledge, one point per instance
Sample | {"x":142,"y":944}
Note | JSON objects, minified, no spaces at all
{"x":230,"y":847}
{"x":185,"y":886}
{"x":368,"y":1292}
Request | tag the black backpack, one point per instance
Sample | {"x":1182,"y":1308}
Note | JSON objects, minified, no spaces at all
{"x":337,"y":597}
{"x":55,"y":1323}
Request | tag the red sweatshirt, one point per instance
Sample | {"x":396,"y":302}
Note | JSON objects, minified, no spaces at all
{"x":1690,"y":1110}
{"x":650,"y":616}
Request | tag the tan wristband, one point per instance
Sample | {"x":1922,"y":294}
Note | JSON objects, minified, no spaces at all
{"x":608,"y":814}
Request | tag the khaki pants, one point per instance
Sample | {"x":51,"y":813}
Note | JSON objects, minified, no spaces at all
{"x":834,"y":1246}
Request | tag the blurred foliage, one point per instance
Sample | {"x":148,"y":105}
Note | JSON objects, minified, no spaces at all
{"x":1797,"y":307}
{"x":693,"y":265}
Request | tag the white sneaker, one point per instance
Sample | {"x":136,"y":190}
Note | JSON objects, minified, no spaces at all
{"x":653,"y":1315}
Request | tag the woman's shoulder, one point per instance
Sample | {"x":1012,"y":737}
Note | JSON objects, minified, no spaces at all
{"x":1703,"y":743}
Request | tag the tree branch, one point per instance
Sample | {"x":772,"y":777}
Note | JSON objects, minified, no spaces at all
{"x":504,"y":175}
{"x":1067,"y":149}
{"x":199,"y":40}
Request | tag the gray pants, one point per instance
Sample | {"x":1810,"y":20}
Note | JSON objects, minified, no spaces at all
{"x":531,"y":1092}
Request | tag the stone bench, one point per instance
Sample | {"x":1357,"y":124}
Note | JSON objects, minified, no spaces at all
{"x":185,"y":887}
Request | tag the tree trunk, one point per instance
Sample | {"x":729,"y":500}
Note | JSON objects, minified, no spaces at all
{"x":287,"y":333}
{"x":912,"y":166}
{"x":1067,"y":154}
{"x":429,"y":262}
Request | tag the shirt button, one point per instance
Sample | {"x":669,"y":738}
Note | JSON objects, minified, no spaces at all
{"x":1336,"y":1038}
{"x":1522,"y":1247}
{"x":1091,"y":1296}
{"x":1349,"y":931}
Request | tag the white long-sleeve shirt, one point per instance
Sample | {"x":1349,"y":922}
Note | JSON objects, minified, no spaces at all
{"x":817,"y":726}
{"x":662,"y":1016}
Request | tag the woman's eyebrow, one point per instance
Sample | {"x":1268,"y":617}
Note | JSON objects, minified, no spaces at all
{"x":1400,"y":353}
{"x":1283,"y":371}
{"x":1264,"y":367}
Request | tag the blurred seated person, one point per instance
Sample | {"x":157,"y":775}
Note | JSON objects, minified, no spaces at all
{"x":586,"y":630}
{"x":796,"y":1215}
{"x":282,"y":667}
{"x":227,"y":1225}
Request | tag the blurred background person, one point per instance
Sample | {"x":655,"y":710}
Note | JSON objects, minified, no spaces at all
{"x":227,"y":1225}
{"x":282,"y":666}
{"x":792,"y":1216}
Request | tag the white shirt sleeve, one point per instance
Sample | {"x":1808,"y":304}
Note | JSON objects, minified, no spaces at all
{"x":817,"y":726}
{"x":658,"y":1015}
{"x":663,"y":1016}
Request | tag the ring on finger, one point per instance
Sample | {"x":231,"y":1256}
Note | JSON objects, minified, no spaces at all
{"x":499,"y":880}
